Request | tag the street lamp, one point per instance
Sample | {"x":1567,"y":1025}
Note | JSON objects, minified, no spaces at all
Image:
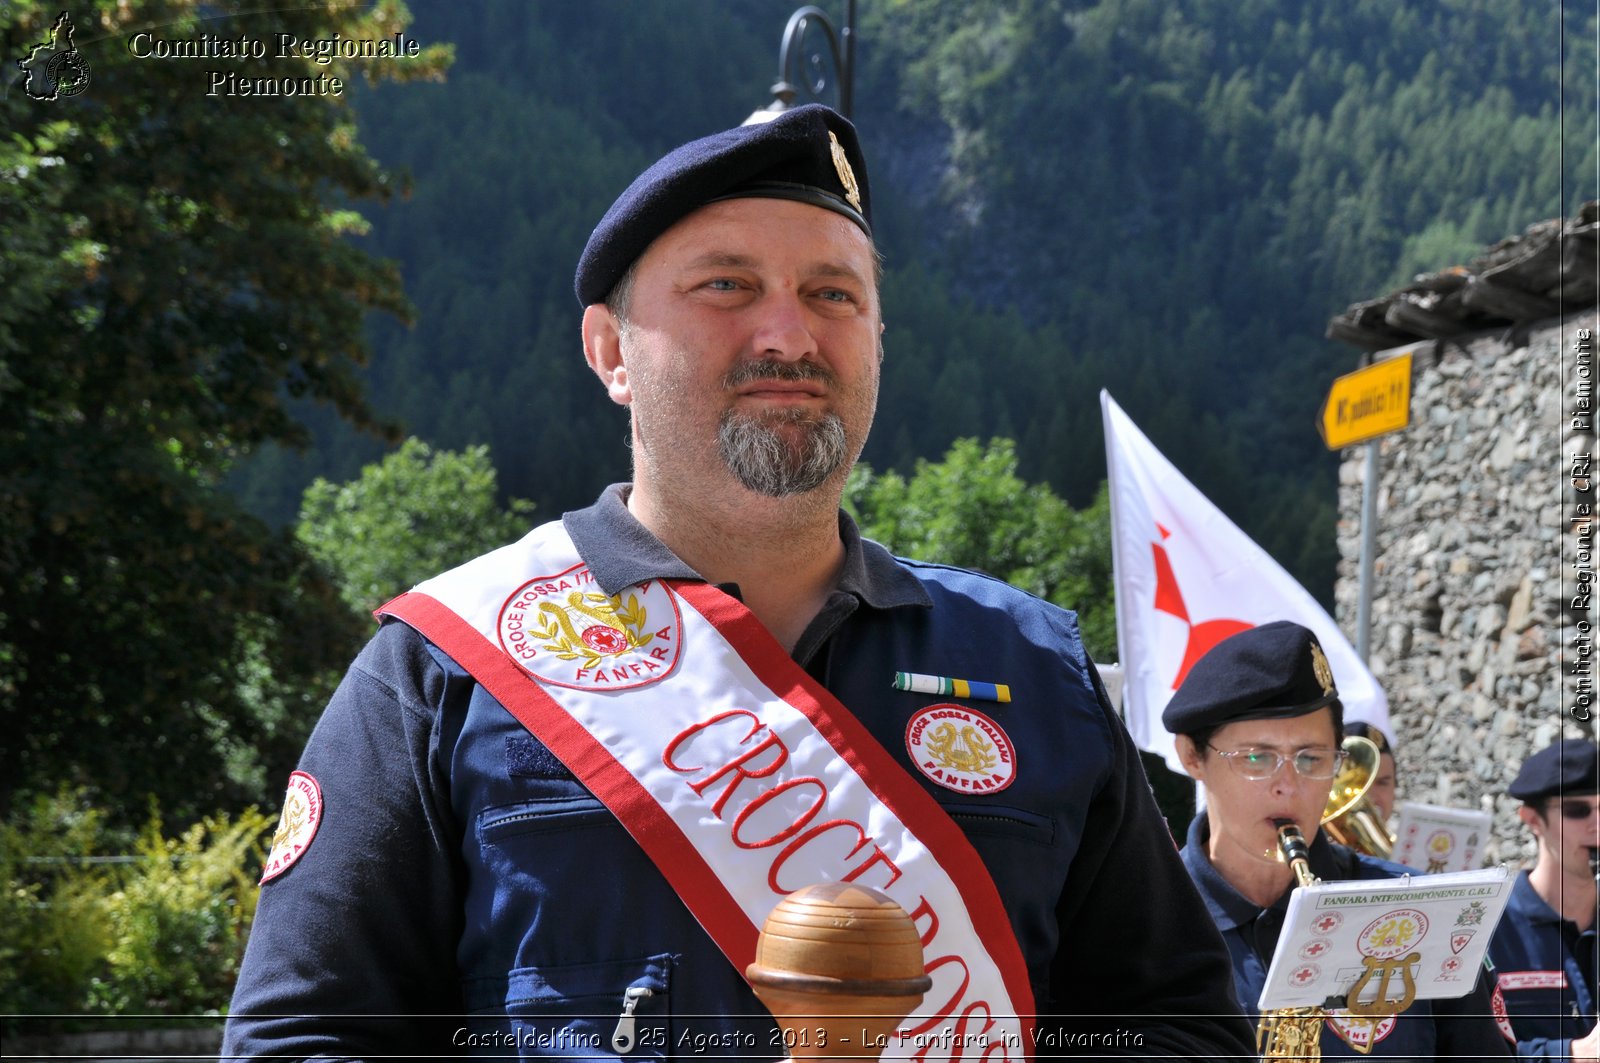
{"x":812,"y":76}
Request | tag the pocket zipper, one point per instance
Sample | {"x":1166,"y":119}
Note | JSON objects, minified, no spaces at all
{"x":622,"y":1038}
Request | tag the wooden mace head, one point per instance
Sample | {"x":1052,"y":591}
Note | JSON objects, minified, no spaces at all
{"x":838,"y":965}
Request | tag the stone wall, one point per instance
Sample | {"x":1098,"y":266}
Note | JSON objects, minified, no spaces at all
{"x":1472,"y":632}
{"x":119,"y":1046}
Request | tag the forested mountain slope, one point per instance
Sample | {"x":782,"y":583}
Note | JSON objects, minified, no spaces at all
{"x":1168,"y":198}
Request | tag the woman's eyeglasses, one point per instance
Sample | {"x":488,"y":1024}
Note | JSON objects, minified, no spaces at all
{"x":1259,"y":764}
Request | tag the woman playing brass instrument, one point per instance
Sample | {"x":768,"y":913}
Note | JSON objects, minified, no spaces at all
{"x":1259,"y":726}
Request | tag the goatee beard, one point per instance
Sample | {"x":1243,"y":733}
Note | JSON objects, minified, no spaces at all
{"x":756,"y":450}
{"x":757,"y":453}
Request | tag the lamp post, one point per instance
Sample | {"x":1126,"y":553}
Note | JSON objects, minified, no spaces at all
{"x":802,"y":71}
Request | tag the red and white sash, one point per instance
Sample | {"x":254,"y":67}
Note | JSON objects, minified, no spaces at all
{"x":737,"y":773}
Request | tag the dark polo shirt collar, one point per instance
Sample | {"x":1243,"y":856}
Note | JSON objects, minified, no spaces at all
{"x":621,"y":552}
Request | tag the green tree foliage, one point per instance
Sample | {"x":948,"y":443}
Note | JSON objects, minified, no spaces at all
{"x":177,"y":269}
{"x":413,"y":515}
{"x":180,"y":917}
{"x":972,"y":510}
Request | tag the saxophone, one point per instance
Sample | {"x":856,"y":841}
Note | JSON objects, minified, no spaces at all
{"x":1292,"y":1033}
{"x":1296,"y":1033}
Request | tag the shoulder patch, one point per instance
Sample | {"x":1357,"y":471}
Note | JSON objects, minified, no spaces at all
{"x":1502,"y":1015}
{"x":297,"y":825}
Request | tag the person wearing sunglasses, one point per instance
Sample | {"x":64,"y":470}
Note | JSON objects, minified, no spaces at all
{"x":1259,"y":723}
{"x":1544,"y":949}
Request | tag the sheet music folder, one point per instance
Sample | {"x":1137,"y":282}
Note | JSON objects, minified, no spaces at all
{"x":1435,"y":838}
{"x":1377,"y":936}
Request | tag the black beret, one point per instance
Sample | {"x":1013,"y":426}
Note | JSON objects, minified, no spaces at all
{"x":1362,"y":729}
{"x":1569,"y":766}
{"x":1274,"y":671}
{"x":809,"y":154}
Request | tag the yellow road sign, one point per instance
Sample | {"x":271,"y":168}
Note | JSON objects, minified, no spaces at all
{"x":1367,"y":403}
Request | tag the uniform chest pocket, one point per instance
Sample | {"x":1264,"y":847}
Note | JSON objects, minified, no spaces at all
{"x":543,"y":815}
{"x":544,"y":873}
{"x":614,"y":1009}
{"x":999,"y":821}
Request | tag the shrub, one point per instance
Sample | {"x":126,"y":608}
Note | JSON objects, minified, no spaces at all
{"x":158,"y":933}
{"x":179,"y":922}
{"x":54,"y":933}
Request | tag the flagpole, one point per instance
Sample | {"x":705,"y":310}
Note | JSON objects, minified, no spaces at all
{"x":1369,"y":524}
{"x":1122,"y":610}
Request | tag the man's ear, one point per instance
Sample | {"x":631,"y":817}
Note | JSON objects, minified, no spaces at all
{"x":1189,"y":755}
{"x":602,"y":349}
{"x":1532,"y":820}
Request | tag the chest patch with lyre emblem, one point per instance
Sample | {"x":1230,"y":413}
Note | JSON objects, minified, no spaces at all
{"x":961,"y":749}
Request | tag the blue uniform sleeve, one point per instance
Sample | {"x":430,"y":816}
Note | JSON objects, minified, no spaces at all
{"x":1545,"y":1048}
{"x":352,"y":952}
{"x":1136,"y":938}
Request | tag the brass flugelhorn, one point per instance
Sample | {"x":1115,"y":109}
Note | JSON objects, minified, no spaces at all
{"x":1349,"y":817}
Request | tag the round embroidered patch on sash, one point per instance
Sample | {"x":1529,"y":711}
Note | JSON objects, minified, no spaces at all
{"x":961,"y":749}
{"x":297,"y":825}
{"x":564,"y":630}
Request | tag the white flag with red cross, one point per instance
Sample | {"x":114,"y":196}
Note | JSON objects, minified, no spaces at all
{"x":1187,"y":578}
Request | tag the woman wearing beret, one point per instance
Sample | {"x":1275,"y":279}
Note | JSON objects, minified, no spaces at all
{"x":1259,"y":725}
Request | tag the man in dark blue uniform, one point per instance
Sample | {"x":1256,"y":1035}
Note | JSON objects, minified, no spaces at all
{"x":1259,"y":726}
{"x":454,"y":873}
{"x":1544,"y":949}
{"x":1382,"y":791}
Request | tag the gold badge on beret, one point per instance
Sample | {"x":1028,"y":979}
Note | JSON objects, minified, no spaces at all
{"x":847,"y":176}
{"x":1319,"y":668}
